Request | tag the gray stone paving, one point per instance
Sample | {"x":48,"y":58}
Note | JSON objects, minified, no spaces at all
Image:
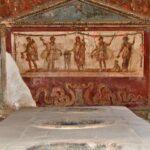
{"x":28,"y":128}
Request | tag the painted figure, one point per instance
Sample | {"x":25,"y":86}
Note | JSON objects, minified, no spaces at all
{"x":126,"y":50}
{"x":100,"y":53}
{"x":116,"y":67}
{"x":51,"y":52}
{"x":59,"y":96}
{"x":67,"y":59}
{"x":31,"y":53}
{"x":79,"y":53}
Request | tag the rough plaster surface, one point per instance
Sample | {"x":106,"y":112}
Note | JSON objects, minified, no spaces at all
{"x":31,"y":128}
{"x":17,"y":93}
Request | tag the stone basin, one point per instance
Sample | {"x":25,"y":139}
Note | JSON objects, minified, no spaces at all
{"x":76,"y":146}
{"x":75,"y":124}
{"x":82,"y":109}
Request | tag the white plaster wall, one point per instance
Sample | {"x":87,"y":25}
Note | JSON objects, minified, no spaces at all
{"x":17,"y":93}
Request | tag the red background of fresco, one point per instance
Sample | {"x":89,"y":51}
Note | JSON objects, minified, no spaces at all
{"x":136,"y":85}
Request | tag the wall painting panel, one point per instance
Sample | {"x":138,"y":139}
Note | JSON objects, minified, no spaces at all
{"x":93,"y":66}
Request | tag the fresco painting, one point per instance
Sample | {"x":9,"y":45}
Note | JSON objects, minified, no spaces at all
{"x":15,"y":7}
{"x":67,"y":91}
{"x":79,"y":53}
{"x":75,"y":11}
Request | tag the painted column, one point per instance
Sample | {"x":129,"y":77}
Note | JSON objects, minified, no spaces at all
{"x":2,"y":64}
{"x":149,"y":67}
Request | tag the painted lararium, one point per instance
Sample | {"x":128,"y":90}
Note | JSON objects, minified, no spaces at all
{"x":80,"y":53}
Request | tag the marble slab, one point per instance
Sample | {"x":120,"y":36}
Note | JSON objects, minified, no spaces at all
{"x":110,"y":126}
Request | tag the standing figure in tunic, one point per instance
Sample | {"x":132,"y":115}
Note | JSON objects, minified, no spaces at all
{"x":31,"y":54}
{"x":79,"y":49}
{"x":100,"y":53}
{"x":126,"y":50}
{"x":51,"y":53}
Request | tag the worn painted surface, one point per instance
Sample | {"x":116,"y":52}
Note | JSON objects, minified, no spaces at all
{"x":74,"y":65}
{"x":92,"y":53}
{"x":74,"y":11}
{"x":87,"y":91}
{"x":15,"y":7}
{"x":0,"y":72}
{"x":62,"y":86}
